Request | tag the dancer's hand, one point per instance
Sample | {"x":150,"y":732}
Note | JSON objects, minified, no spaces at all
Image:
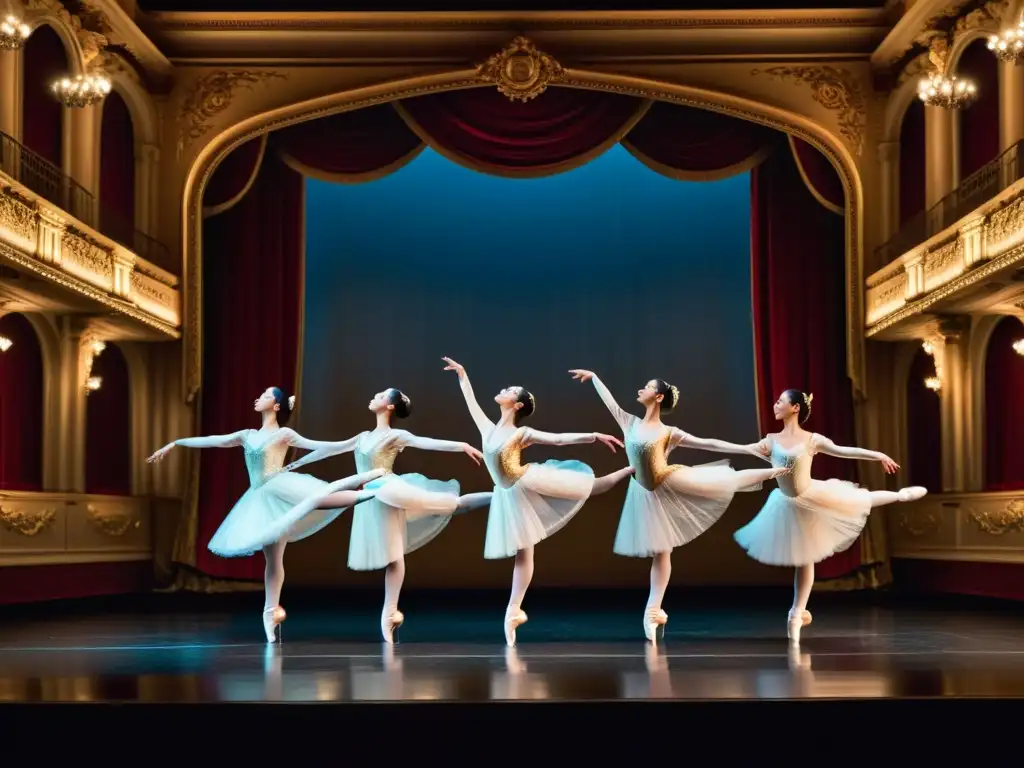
{"x":609,"y":441}
{"x":782,"y":472}
{"x":451,"y":365}
{"x":583,"y":376}
{"x":159,"y":455}
{"x":473,"y":453}
{"x":890,"y":466}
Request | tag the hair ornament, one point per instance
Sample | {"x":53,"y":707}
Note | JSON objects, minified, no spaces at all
{"x":533,"y":403}
{"x":675,"y":393}
{"x":405,"y":398}
{"x":809,"y":398}
{"x":291,"y":402}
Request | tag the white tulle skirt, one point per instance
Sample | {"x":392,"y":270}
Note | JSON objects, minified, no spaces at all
{"x":540,"y":502}
{"x":681,"y":508}
{"x":407,"y":512}
{"x":267,"y":513}
{"x":801,"y":530}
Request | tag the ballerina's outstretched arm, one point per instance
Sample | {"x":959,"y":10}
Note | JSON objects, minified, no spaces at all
{"x":408,"y":440}
{"x":821,"y":444}
{"x":319,"y":449}
{"x":483,"y":424}
{"x":621,"y":417}
{"x":233,"y":440}
{"x":536,"y":437}
{"x":679,"y":439}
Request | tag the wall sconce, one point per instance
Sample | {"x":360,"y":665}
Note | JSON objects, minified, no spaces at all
{"x":934,"y":383}
{"x":93,"y":383}
{"x":5,"y":343}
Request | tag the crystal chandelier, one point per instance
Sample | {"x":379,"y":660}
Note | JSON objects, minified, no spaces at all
{"x":1008,"y":45}
{"x":5,"y":343}
{"x":947,"y":92}
{"x":81,"y":90}
{"x":93,"y":383}
{"x":13,"y":33}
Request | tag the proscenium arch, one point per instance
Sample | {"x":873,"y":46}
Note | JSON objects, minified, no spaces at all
{"x":224,"y":143}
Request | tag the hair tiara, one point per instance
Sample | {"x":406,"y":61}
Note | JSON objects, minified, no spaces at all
{"x":291,"y":402}
{"x":808,"y":398}
{"x":675,"y":394}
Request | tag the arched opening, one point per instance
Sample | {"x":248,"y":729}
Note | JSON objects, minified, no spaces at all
{"x":979,"y":124}
{"x":21,"y":406}
{"x":924,"y":425}
{"x":43,"y":116}
{"x":912,"y":162}
{"x":108,"y":467}
{"x":1004,"y":418}
{"x":117,"y":171}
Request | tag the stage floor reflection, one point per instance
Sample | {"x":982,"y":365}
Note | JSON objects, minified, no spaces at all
{"x":849,"y":652}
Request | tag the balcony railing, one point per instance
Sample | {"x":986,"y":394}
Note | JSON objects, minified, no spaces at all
{"x":978,"y":188}
{"x":49,"y":182}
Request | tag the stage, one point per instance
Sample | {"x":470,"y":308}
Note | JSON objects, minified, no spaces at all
{"x":581,"y":662}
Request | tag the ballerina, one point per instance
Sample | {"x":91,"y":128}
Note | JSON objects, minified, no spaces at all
{"x":668,"y":506}
{"x":531,"y":501}
{"x":805,"y":520}
{"x":265,"y":517}
{"x":408,"y":510}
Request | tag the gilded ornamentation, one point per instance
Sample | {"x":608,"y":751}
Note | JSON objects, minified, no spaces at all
{"x":918,"y":521}
{"x":87,"y":255}
{"x":27,"y":523}
{"x":891,"y":291}
{"x":17,"y":215}
{"x":113,"y":522}
{"x":1006,"y":222}
{"x":988,"y":17}
{"x":152,"y":288}
{"x":88,"y":27}
{"x":943,"y":257}
{"x":210,"y":95}
{"x":1009,"y":519}
{"x":837,"y":90}
{"x":520,"y":71}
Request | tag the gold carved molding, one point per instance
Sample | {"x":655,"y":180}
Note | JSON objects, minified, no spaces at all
{"x":918,"y":521}
{"x":89,"y":26}
{"x":1009,"y":519}
{"x":520,"y":71}
{"x":17,"y":215}
{"x":210,"y":95}
{"x":112,"y":522}
{"x":837,"y":90}
{"x":27,"y":523}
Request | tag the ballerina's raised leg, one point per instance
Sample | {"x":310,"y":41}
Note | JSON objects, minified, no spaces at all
{"x":668,"y":506}
{"x":805,"y":520}
{"x":530,"y":502}
{"x":264,"y":519}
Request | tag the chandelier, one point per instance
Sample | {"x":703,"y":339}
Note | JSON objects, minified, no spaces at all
{"x":13,"y":33}
{"x":5,"y":343}
{"x":81,"y":90}
{"x":1018,"y":347}
{"x":947,"y":92}
{"x":1008,"y":45}
{"x":934,"y":383}
{"x":93,"y":383}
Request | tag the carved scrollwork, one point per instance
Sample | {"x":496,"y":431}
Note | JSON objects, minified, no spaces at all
{"x":17,"y":215}
{"x":90,"y":26}
{"x":26,"y":522}
{"x":918,"y":522}
{"x":837,"y":90}
{"x":113,"y":522}
{"x":520,"y":71}
{"x":210,"y":95}
{"x":997,"y":523}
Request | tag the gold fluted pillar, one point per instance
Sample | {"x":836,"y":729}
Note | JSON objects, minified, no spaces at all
{"x":147,"y":168}
{"x":955,"y":397}
{"x":83,"y":158}
{"x":940,"y":154}
{"x":889,"y":170}
{"x":72,"y":404}
{"x":1011,"y":105}
{"x":11,"y":93}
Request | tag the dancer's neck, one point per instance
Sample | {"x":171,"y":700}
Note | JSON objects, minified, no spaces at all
{"x":383,"y":421}
{"x":508,"y":418}
{"x":652,"y":415}
{"x":269,"y":421}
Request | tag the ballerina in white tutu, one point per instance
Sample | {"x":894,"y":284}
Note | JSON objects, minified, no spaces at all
{"x":805,"y":520}
{"x":408,"y":510}
{"x":265,"y":517}
{"x":530,"y":501}
{"x":668,"y":506}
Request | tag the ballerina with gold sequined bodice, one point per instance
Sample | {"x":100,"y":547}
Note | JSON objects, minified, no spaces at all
{"x":530,"y":501}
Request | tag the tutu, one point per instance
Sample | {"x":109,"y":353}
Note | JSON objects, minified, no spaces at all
{"x":267,"y":513}
{"x":687,"y":502}
{"x":407,"y":512}
{"x":813,"y":520}
{"x":539,"y":503}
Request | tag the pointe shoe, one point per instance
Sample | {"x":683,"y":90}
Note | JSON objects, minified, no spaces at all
{"x":389,"y":624}
{"x":655,"y":620}
{"x":272,"y":620}
{"x":793,"y":627}
{"x":806,"y":617}
{"x":514,"y":618}
{"x":913,"y":493}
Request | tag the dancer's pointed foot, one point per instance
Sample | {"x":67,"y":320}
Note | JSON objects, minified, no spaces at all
{"x":515,"y":617}
{"x":390,"y":621}
{"x":793,"y":627}
{"x":913,"y":493}
{"x":655,"y":620}
{"x":272,"y":620}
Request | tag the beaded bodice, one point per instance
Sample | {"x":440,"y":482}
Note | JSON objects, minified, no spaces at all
{"x":800,"y":458}
{"x":375,"y":452}
{"x":502,"y":452}
{"x":648,"y":455}
{"x":263,"y":456}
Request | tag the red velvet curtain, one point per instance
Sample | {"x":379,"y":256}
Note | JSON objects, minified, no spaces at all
{"x":799,"y":304}
{"x":1004,"y":416}
{"x":21,"y":407}
{"x":912,"y":162}
{"x":117,"y":171}
{"x":924,"y":426}
{"x":42,"y":115}
{"x":108,"y":462}
{"x":252,"y":305}
{"x":979,"y":124}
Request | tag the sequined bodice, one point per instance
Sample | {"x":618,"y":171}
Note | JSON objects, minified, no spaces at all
{"x":648,"y":455}
{"x":263,"y":456}
{"x":375,"y":453}
{"x":501,"y":454}
{"x":800,"y":459}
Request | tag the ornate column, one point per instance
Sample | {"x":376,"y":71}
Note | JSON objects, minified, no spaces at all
{"x":147,"y":169}
{"x":11,"y":93}
{"x":889,"y":162}
{"x":1011,"y":105}
{"x":83,"y":159}
{"x":949,"y":341}
{"x":73,"y":373}
{"x":940,"y":154}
